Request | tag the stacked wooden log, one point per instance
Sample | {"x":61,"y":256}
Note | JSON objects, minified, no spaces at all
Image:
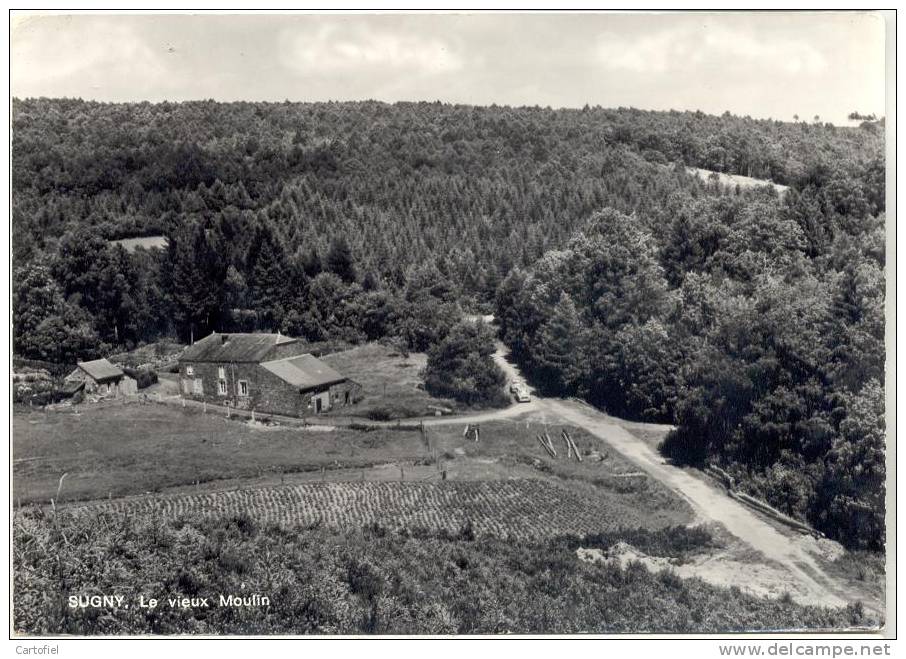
{"x":573,"y":448}
{"x":547,"y":444}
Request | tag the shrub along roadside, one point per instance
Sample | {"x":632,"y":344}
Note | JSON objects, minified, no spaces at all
{"x":461,"y":366}
{"x":144,"y":378}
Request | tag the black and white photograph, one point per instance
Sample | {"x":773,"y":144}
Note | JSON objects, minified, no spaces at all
{"x":441,"y":324}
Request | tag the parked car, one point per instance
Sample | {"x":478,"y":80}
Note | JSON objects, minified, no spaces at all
{"x":522,"y":395}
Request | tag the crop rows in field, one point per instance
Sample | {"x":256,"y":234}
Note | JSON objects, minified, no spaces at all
{"x":520,"y":509}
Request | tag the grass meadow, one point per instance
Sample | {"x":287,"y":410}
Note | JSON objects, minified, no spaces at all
{"x":392,"y":384}
{"x":133,"y":449}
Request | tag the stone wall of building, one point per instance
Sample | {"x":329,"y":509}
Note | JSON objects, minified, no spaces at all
{"x":339,"y":391}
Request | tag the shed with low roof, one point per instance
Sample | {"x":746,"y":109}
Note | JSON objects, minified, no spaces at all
{"x":102,"y":378}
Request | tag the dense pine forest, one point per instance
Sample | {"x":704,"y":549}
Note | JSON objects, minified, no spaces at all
{"x":750,"y":319}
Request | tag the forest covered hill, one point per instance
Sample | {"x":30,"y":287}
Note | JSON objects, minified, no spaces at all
{"x":753,"y":321}
{"x":492,"y":185}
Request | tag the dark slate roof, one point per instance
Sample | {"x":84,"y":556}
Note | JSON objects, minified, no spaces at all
{"x":100,"y":370}
{"x":304,"y":372}
{"x":233,"y":347}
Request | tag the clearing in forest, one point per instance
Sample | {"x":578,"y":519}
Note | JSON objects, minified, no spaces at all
{"x":732,"y":180}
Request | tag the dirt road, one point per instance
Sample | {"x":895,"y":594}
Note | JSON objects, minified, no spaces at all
{"x":809,"y":584}
{"x":710,"y":503}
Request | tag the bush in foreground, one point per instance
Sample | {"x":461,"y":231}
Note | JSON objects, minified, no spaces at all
{"x":320,"y":581}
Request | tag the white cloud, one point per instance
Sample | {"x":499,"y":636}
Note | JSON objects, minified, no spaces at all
{"x":680,"y":48}
{"x":360,"y":49}
{"x":49,"y":51}
{"x":767,"y":64}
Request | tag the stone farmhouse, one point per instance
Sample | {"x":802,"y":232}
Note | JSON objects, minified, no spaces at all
{"x":268,"y":373}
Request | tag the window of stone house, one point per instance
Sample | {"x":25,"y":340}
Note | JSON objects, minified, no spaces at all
{"x":243,"y":388}
{"x":190,"y":371}
{"x":221,"y":372}
{"x":221,"y":387}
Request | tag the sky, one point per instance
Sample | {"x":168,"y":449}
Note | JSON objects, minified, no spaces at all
{"x":765,"y":65}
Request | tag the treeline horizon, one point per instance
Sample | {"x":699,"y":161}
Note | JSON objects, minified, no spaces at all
{"x":851,"y":116}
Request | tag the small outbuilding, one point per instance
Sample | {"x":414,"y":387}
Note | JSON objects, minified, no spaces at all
{"x":102,"y":378}
{"x":315,"y":386}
